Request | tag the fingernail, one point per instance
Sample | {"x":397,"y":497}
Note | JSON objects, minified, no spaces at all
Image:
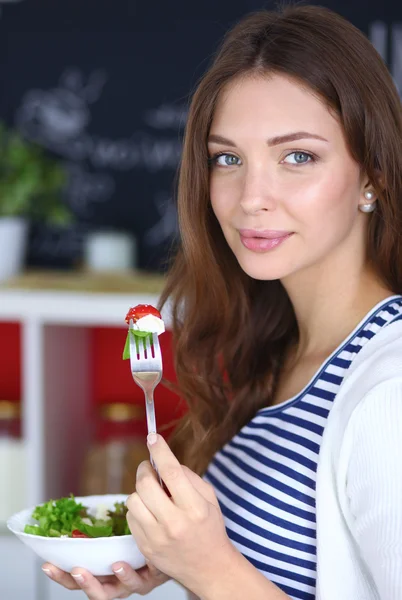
{"x":48,"y":572}
{"x":119,"y":570}
{"x":78,"y":577}
{"x":152,"y":438}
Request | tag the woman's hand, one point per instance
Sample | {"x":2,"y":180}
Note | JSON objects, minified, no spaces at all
{"x":183,"y":535}
{"x":122,"y":585}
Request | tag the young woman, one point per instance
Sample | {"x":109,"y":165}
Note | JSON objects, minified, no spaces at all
{"x":287,"y":320}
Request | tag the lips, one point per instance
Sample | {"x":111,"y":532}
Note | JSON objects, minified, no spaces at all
{"x":263,"y":240}
{"x":268,"y":234}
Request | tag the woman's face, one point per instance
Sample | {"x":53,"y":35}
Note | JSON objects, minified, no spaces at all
{"x":283,"y":185}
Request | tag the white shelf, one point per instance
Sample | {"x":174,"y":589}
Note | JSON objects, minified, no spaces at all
{"x":55,"y":383}
{"x":63,"y":307}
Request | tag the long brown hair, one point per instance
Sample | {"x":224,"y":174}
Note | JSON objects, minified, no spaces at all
{"x":229,"y":330}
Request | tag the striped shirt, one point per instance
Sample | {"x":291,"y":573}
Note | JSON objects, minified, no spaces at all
{"x":265,"y":477}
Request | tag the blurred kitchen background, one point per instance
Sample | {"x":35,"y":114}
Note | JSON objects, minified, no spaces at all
{"x":93,"y":105}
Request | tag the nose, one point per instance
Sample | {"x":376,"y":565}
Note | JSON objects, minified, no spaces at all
{"x":258,"y":192}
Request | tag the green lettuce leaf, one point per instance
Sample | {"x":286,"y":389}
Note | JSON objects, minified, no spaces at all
{"x":126,"y":351}
{"x":60,"y":517}
{"x":34,"y":530}
{"x":118,"y":516}
{"x":137,"y":336}
{"x":98,"y":529}
{"x":57,"y":517}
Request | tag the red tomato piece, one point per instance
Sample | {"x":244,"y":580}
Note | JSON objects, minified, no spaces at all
{"x":76,"y":533}
{"x":142,"y":310}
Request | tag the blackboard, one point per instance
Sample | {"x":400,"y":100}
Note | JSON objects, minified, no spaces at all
{"x":104,"y":86}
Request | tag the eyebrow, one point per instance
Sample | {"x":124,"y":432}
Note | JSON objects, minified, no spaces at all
{"x":275,"y":141}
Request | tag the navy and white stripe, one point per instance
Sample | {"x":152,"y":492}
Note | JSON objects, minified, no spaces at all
{"x":265,"y":476}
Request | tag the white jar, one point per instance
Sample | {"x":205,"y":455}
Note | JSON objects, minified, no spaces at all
{"x":13,"y":243}
{"x":110,"y":251}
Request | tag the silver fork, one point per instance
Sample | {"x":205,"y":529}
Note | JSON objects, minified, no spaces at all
{"x":146,"y":369}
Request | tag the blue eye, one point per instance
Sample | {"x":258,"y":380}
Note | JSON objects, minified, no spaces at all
{"x":225,"y":160}
{"x":299,"y":156}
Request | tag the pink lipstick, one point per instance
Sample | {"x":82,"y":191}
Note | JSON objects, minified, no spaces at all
{"x":263,"y":240}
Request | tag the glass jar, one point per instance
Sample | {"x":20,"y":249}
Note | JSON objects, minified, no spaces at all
{"x":118,"y":448}
{"x":13,"y":495}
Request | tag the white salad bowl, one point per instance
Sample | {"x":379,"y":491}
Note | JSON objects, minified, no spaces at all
{"x":94,"y":554}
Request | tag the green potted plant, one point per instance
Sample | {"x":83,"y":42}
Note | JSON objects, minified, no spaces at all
{"x":31,"y":185}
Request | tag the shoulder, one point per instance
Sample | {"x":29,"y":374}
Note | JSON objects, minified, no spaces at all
{"x":375,"y":372}
{"x":380,"y":408}
{"x":386,"y":341}
{"x":379,"y":361}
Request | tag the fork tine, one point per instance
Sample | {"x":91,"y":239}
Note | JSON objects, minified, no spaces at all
{"x":133,"y":345}
{"x":157,"y":347}
{"x":145,"y":353}
{"x":136,"y":346}
{"x":141,"y":351}
{"x":147,"y":347}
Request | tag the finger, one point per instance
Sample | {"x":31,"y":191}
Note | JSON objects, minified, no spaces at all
{"x":140,"y":512}
{"x":92,"y":587}
{"x":205,"y":489}
{"x":63,"y":578}
{"x":153,"y":576}
{"x":107,"y":586}
{"x":130,"y":579}
{"x":183,"y":492}
{"x":153,"y":571}
{"x":140,"y":532}
{"x":140,"y":535}
{"x":95,"y":590}
{"x":152,"y":496}
{"x":144,"y":580}
{"x":60,"y":577}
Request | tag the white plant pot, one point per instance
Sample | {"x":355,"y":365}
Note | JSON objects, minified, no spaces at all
{"x":110,"y":251}
{"x":13,"y":243}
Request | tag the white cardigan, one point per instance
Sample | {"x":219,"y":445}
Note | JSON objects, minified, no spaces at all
{"x":359,"y":478}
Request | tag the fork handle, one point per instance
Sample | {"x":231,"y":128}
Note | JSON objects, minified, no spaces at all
{"x":151,"y":424}
{"x":150,"y":408}
{"x":156,"y":471}
{"x":161,"y":482}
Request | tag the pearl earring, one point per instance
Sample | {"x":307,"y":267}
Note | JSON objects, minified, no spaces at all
{"x":370,"y":206}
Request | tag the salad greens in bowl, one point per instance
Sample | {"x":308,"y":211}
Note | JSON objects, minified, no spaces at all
{"x":89,"y":532}
{"x":67,"y":517}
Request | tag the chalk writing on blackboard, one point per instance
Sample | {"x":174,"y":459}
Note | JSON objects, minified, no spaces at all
{"x":58,"y":119}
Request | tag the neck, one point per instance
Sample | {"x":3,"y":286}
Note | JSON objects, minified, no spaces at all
{"x":329,"y":303}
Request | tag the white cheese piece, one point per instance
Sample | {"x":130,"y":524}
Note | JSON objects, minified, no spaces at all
{"x":99,"y":512}
{"x":150,"y":323}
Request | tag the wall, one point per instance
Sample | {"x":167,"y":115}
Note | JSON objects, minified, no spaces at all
{"x":105,"y":87}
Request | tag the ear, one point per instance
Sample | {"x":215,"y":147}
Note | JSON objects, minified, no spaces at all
{"x":372,"y":186}
{"x":381,"y":181}
{"x":367,"y":187}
